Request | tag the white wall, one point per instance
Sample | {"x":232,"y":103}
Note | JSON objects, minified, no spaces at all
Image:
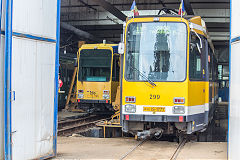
{"x":33,"y":75}
{"x":1,"y":92}
{"x":33,"y":72}
{"x":235,"y":31}
{"x":234,"y":115}
{"x":33,"y":79}
{"x":35,"y":17}
{"x":1,"y":99}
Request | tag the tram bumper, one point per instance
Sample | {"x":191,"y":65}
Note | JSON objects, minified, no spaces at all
{"x":195,"y":122}
{"x":90,"y":101}
{"x":154,"y":118}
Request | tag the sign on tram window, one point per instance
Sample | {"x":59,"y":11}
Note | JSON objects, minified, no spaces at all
{"x":198,"y":64}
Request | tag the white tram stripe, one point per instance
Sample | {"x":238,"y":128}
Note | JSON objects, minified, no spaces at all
{"x":198,"y":27}
{"x":189,"y":110}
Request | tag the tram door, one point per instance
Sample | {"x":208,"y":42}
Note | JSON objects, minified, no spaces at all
{"x":198,"y":75}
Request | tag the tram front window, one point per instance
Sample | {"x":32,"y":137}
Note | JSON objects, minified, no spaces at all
{"x":95,"y":65}
{"x":156,"y":51}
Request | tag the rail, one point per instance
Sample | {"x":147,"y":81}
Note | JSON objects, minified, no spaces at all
{"x":177,"y":151}
{"x":173,"y":157}
{"x":133,"y":149}
{"x":69,"y":127}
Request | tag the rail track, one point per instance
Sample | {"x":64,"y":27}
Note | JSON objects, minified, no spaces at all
{"x":173,"y":157}
{"x":72,"y":126}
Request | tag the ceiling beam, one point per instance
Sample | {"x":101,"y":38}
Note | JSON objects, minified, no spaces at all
{"x":112,"y":9}
{"x":85,"y":4}
{"x":143,"y":5}
{"x":221,"y":43}
{"x":163,"y":4}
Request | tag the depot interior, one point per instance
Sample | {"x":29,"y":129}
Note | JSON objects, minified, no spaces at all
{"x":92,"y":21}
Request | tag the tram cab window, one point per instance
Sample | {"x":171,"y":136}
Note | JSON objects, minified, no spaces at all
{"x":197,"y":60}
{"x":116,"y":68}
{"x":156,"y":52}
{"x":95,"y":65}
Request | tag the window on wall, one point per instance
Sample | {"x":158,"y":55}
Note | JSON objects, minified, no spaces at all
{"x":116,"y":68}
{"x":197,"y":60}
{"x":223,"y":72}
{"x":220,"y":72}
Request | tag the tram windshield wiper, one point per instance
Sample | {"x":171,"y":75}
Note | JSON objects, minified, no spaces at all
{"x":145,"y":77}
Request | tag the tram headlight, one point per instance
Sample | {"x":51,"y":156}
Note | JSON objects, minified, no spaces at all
{"x":80,"y":95}
{"x":106,"y":94}
{"x":178,"y":109}
{"x":130,"y":108}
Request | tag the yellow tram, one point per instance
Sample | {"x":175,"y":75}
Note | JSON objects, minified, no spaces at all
{"x":97,"y":76}
{"x":168,"y":83}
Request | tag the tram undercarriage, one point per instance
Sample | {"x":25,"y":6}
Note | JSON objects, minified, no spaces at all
{"x":144,"y":130}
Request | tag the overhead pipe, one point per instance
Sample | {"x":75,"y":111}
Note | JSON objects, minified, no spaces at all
{"x":79,"y":32}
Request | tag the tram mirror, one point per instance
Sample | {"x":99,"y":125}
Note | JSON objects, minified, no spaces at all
{"x":121,"y":48}
{"x":195,"y":46}
{"x":198,"y":47}
{"x":192,"y":46}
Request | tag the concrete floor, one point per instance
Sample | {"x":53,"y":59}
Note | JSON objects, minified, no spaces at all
{"x":115,"y":148}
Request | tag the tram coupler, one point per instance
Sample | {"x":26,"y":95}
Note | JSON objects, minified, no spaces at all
{"x":157,"y":132}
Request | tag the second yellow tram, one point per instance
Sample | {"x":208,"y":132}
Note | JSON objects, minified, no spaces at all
{"x":97,"y":77}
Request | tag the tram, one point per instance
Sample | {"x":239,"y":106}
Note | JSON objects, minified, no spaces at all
{"x":97,"y":77}
{"x":169,"y":70}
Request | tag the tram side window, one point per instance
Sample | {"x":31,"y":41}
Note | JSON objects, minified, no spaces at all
{"x":215,"y":71}
{"x":116,"y":68}
{"x":210,"y":63}
{"x":194,"y":59}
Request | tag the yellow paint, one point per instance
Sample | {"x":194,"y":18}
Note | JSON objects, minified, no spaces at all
{"x":198,"y":21}
{"x":142,"y":91}
{"x":94,"y":90}
{"x":196,"y":93}
{"x":114,"y":86}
